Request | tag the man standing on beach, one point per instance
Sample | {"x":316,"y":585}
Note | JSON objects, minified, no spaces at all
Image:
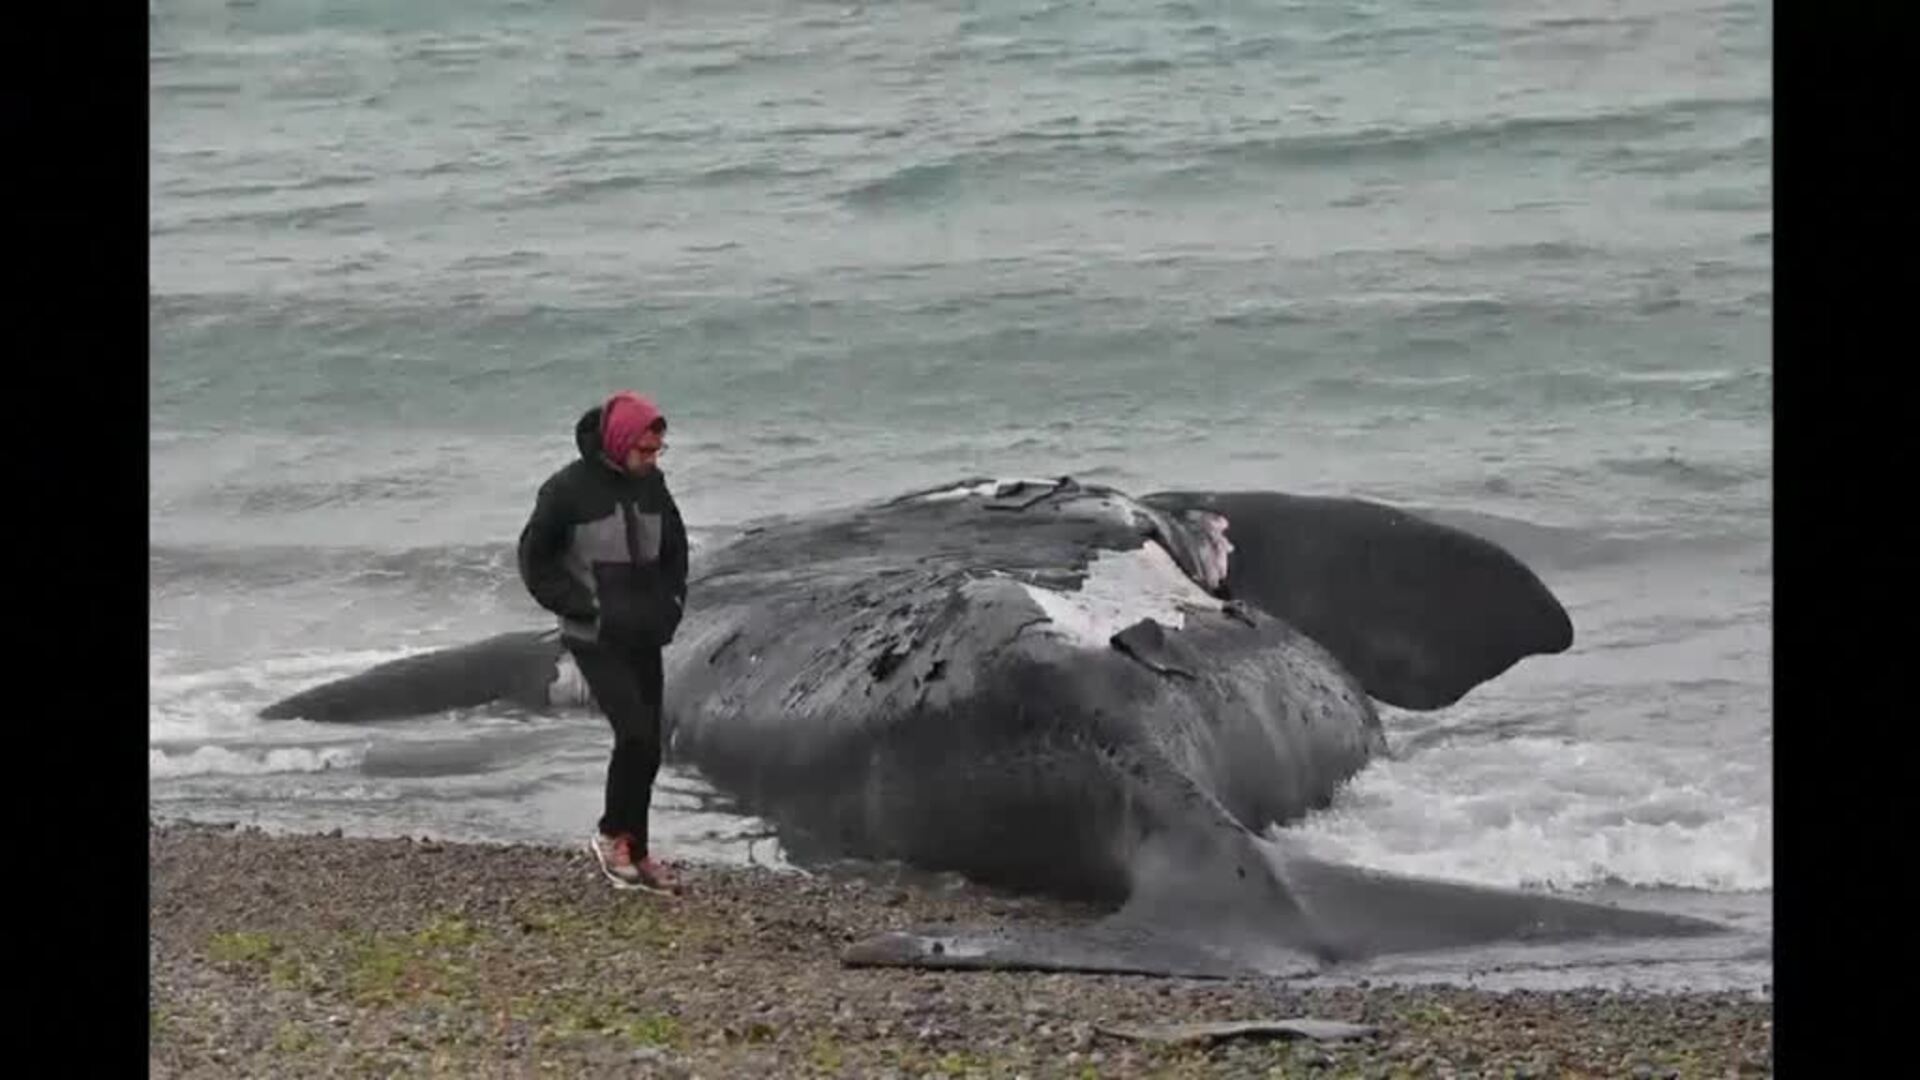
{"x":606,"y":551}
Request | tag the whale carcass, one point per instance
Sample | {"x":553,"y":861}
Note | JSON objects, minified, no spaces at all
{"x":1056,"y":687}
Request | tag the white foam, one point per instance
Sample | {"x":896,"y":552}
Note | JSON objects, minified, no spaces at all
{"x":1120,"y":589}
{"x":298,"y":668}
{"x":1548,"y":812}
{"x":219,"y":760}
{"x":190,"y":706}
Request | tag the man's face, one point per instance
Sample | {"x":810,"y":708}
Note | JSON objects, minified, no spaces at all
{"x":645,"y":454}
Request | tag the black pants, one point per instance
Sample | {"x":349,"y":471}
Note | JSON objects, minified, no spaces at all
{"x":626,"y":682}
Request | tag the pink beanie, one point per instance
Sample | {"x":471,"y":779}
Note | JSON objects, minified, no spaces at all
{"x":624,"y":419}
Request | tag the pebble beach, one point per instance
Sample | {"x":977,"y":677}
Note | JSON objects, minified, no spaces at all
{"x":307,"y":955}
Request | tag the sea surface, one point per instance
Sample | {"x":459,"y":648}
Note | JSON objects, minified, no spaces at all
{"x":1509,"y":264}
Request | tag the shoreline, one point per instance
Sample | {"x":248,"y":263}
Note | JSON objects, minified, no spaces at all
{"x":302,"y":954}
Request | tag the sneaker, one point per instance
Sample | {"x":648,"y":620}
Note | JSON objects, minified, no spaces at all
{"x":654,"y":876}
{"x":615,"y":854}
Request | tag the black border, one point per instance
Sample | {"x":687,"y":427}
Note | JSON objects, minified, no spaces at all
{"x":81,"y":142}
{"x":79,"y":528}
{"x":1842,"y":639}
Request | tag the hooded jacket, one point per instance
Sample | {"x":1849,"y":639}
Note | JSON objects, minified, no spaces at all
{"x":605,"y":550}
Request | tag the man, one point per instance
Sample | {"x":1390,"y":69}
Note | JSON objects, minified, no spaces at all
{"x":606,"y":551}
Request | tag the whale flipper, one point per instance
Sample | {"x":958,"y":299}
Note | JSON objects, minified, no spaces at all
{"x":1271,"y":913}
{"x":1419,"y":612}
{"x":518,"y":667}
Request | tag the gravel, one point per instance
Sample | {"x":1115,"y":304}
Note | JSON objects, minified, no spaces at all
{"x":308,"y":955}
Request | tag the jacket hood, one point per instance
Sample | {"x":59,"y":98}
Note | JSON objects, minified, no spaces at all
{"x":586,"y":434}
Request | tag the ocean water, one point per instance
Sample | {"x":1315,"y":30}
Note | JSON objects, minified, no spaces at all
{"x":1505,"y":264}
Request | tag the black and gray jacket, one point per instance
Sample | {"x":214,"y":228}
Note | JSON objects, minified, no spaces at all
{"x":605,"y":550}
